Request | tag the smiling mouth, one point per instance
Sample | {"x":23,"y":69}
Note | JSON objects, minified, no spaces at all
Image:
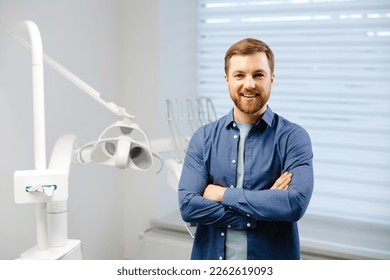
{"x":253,"y":95}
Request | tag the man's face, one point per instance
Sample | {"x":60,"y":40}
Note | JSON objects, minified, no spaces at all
{"x":249,"y":82}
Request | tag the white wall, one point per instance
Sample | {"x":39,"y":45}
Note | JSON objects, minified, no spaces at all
{"x":178,"y":56}
{"x":160,"y":56}
{"x":141,"y":93}
{"x":85,"y":36}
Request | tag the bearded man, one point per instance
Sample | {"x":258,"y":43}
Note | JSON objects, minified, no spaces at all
{"x":247,"y":177}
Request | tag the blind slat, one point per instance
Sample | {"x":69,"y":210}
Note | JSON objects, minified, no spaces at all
{"x":288,"y":7}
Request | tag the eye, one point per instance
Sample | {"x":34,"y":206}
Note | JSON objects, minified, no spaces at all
{"x":258,"y":75}
{"x":238,"y":76}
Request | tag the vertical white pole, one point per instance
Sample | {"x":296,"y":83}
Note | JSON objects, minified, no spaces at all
{"x":57,"y":212}
{"x":39,"y":125}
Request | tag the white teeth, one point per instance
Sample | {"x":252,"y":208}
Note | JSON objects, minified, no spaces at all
{"x":249,"y":96}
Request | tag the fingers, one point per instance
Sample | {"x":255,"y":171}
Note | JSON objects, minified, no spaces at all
{"x":214,"y":193}
{"x":283,"y":182}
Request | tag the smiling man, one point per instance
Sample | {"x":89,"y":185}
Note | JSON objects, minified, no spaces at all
{"x":247,"y":177}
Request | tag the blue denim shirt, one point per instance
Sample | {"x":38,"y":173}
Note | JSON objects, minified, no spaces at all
{"x":274,"y":145}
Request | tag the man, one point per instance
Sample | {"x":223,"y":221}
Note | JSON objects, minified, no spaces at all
{"x":248,"y":177}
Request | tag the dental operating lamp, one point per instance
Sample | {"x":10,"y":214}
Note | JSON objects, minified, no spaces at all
{"x":122,"y":145}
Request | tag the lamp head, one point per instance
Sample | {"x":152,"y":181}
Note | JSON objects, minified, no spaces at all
{"x":123,"y":145}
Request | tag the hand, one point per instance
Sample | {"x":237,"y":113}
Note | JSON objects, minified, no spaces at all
{"x":283,"y":182}
{"x":214,"y":192}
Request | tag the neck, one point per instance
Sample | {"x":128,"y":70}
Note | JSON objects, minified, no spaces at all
{"x":242,"y":117}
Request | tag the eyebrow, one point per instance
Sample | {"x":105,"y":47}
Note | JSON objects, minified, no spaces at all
{"x":260,"y":71}
{"x":254,"y":72}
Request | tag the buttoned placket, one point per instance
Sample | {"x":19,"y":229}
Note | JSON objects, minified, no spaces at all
{"x":223,"y":236}
{"x":234,"y":167}
{"x":236,"y":137}
{"x":235,"y":161}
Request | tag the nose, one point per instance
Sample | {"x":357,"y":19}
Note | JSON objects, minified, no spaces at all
{"x":249,"y":83}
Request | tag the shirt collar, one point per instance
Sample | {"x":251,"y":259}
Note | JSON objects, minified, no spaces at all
{"x":268,"y":118}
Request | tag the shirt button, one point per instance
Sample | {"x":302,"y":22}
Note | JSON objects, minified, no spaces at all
{"x":220,"y":258}
{"x":234,"y":124}
{"x":248,"y":215}
{"x":222,"y":234}
{"x":235,"y":136}
{"x":234,"y":161}
{"x":231,"y":186}
{"x":229,"y":226}
{"x":248,"y":224}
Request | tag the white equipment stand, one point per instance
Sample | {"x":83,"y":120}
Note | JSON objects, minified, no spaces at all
{"x":47,"y":187}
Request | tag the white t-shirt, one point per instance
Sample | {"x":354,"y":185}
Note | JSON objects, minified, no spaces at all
{"x":236,"y":240}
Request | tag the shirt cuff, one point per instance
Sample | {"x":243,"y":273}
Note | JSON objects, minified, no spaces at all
{"x":230,"y":197}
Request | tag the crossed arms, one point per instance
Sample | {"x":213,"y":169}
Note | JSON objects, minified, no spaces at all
{"x":221,"y":206}
{"x":215,"y":192}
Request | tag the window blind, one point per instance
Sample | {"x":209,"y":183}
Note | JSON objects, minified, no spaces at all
{"x":332,"y":67}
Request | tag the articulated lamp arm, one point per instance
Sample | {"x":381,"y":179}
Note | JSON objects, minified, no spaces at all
{"x":36,"y":48}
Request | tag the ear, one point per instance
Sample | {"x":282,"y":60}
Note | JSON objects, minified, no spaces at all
{"x":272,"y":79}
{"x":226,"y":79}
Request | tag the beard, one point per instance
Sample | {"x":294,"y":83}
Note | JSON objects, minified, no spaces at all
{"x":250,"y":105}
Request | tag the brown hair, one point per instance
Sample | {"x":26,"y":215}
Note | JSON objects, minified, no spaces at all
{"x":249,"y":46}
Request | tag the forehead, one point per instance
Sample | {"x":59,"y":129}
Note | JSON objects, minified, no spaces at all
{"x":251,"y":63}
